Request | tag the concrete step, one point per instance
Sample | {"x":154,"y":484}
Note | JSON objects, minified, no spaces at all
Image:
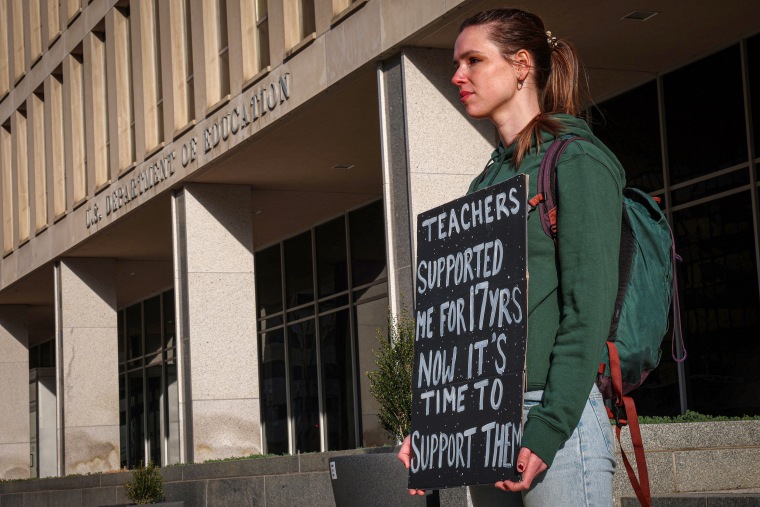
{"x":716,"y":499}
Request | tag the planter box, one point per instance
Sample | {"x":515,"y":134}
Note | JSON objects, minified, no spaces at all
{"x":373,"y":480}
{"x":689,"y":457}
{"x":159,"y":504}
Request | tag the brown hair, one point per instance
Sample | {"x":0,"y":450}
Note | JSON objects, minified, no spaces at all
{"x":555,"y":68}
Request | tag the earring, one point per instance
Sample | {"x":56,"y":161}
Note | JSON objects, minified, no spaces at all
{"x":520,"y":83}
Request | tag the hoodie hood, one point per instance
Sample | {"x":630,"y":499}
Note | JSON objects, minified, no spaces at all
{"x":571,"y":126}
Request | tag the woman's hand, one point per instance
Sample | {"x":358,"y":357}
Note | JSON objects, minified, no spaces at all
{"x":528,"y":464}
{"x":404,"y":455}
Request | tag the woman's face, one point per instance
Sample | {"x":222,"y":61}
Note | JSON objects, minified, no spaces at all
{"x":487,"y":81}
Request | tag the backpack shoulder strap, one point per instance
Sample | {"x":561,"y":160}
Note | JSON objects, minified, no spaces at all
{"x":547,"y":185}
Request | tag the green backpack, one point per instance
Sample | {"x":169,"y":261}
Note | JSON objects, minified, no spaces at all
{"x":646,"y":293}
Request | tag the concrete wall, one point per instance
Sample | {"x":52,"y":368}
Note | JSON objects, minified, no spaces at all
{"x":683,"y":459}
{"x":87,"y":366}
{"x":219,"y":399}
{"x":14,"y":393}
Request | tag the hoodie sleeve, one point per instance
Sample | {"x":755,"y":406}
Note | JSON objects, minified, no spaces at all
{"x":589,"y":218}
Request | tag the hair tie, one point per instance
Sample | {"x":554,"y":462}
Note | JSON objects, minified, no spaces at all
{"x":552,"y":41}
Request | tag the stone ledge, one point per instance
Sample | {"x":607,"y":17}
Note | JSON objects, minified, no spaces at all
{"x":702,"y":500}
{"x":704,"y":435}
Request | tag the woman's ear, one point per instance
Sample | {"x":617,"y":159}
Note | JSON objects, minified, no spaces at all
{"x":523,"y":61}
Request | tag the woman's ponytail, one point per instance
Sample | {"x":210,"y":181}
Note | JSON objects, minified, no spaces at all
{"x":561,"y":92}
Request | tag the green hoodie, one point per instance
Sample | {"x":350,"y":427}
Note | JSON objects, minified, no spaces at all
{"x":568,"y":323}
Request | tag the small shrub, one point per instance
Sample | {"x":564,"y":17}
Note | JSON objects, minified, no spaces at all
{"x":146,"y":486}
{"x":691,"y":416}
{"x":391,"y":382}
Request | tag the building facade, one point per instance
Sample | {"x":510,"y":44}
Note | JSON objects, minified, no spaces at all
{"x":208,"y":208}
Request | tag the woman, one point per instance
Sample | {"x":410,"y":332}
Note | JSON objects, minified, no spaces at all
{"x":510,"y":70}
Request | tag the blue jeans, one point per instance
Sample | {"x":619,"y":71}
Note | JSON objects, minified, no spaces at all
{"x":581,"y":475}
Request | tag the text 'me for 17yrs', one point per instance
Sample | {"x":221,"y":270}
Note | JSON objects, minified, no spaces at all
{"x":470,"y":333}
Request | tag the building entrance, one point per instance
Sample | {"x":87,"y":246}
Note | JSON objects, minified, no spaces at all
{"x":148,"y":401}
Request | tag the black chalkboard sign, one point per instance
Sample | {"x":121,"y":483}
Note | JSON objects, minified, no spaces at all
{"x":471,"y":315}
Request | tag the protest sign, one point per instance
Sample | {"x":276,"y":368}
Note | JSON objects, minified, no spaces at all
{"x":470,"y":333}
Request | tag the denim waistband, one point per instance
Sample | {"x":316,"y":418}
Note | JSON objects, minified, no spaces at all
{"x":538,"y":394}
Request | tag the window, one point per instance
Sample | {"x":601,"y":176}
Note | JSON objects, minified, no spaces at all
{"x":223,"y":46}
{"x":686,"y":123}
{"x":54,"y":147}
{"x":73,"y":8}
{"x":76,"y":161}
{"x":753,"y":67}
{"x":316,"y":294}
{"x":300,"y":22}
{"x":307,"y":17}
{"x":148,"y":396}
{"x":4,"y":61}
{"x":255,"y":36}
{"x":629,"y":125}
{"x":710,"y":193}
{"x":119,"y":26}
{"x":188,"y":73}
{"x":16,"y":41}
{"x":97,"y":98}
{"x":150,"y":30}
{"x":52,"y":20}
{"x":35,"y":30}
{"x":6,"y":179}
{"x":36,"y":122}
{"x":262,"y":34}
{"x":21,"y":166}
{"x":341,"y":5}
{"x":721,"y":302}
{"x":158,"y":70}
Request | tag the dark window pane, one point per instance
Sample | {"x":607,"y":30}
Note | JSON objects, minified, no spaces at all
{"x":47,"y":354}
{"x":299,"y":278}
{"x":274,"y":401}
{"x":710,"y":187}
{"x":704,"y":105}
{"x":753,"y":65}
{"x":152,"y":323}
{"x":135,"y":426}
{"x":629,"y":125}
{"x":337,"y":380}
{"x":301,"y":314}
{"x":367,"y":229}
{"x":123,"y":419}
{"x":333,"y":303}
{"x":304,"y":388}
{"x":153,"y":402}
{"x":268,"y":281}
{"x":34,"y":357}
{"x":134,"y":332}
{"x":270,"y":323}
{"x":120,"y":334}
{"x":170,"y":327}
{"x":720,"y":300}
{"x":332,"y":271}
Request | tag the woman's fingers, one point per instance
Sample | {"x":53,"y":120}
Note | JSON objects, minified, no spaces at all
{"x":405,"y":458}
{"x":530,"y":465}
{"x":404,"y":453}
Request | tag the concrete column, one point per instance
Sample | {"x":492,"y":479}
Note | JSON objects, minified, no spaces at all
{"x":431,"y":151}
{"x":214,"y":282}
{"x":87,"y":366}
{"x":14,"y":393}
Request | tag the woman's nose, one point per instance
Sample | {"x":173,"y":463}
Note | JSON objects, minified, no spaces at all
{"x":457,"y":79}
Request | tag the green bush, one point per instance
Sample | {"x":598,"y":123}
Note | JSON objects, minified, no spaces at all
{"x":691,"y":416}
{"x":391,"y":382}
{"x":146,"y":486}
